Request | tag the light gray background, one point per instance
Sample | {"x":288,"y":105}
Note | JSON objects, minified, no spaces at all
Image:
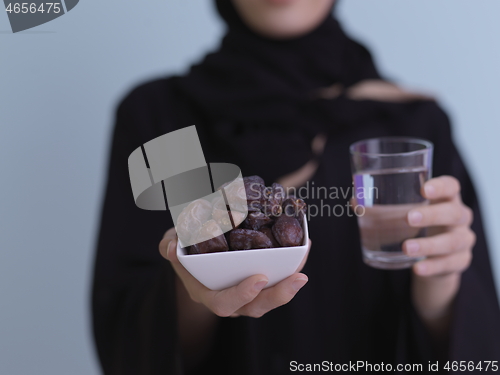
{"x":60,"y":82}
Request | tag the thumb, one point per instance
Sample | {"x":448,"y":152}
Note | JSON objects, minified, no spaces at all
{"x":168,"y":243}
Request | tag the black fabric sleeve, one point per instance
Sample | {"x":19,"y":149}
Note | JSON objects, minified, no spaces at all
{"x":133,"y":295}
{"x":475,"y":330}
{"x":475,"y":326}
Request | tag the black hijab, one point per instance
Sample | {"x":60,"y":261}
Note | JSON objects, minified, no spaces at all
{"x":260,"y":92}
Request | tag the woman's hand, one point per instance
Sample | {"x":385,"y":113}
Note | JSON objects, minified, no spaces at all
{"x":448,"y":250}
{"x":247,"y":298}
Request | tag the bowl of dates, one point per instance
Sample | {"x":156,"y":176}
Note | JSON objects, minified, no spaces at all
{"x":270,"y":236}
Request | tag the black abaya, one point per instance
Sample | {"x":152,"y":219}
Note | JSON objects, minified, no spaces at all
{"x":347,"y":311}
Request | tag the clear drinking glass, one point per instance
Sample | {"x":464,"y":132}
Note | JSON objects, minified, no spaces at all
{"x":388,"y":176}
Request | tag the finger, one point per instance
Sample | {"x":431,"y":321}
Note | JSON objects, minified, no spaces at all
{"x":226,"y":302}
{"x":458,"y":239}
{"x":169,"y":235}
{"x":447,"y":213}
{"x":443,"y":187}
{"x":304,"y":261}
{"x":444,"y":264}
{"x":273,"y":297}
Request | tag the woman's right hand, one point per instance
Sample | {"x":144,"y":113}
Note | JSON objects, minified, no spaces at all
{"x":247,"y":298}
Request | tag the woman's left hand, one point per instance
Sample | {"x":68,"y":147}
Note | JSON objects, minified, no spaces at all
{"x":449,"y":246}
{"x":448,"y":249}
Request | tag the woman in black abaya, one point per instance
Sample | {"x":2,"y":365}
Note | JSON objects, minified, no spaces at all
{"x":283,"y":97}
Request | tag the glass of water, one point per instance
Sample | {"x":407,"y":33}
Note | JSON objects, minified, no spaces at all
{"x":388,"y":177}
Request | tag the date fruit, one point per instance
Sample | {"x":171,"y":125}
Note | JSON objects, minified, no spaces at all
{"x":269,"y":233}
{"x":216,"y":242}
{"x":256,"y":220}
{"x":246,"y":239}
{"x":220,"y":214}
{"x":235,"y":195}
{"x":274,"y":219}
{"x":294,"y":207}
{"x":274,"y":197}
{"x":254,"y":189}
{"x":254,"y":179}
{"x":288,"y":231}
{"x":192,"y":218}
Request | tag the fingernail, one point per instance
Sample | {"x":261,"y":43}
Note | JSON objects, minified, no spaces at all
{"x":412,"y":247}
{"x":414,"y":217}
{"x":298,"y":284}
{"x":421,"y":268}
{"x":260,"y":285}
{"x":429,"y":190}
{"x":168,"y":248}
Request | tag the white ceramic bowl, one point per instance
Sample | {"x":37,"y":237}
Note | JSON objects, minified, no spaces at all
{"x":222,"y":270}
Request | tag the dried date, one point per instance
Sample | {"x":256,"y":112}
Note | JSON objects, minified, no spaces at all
{"x":220,"y":214}
{"x":216,"y":241}
{"x":273,"y":219}
{"x":235,"y":194}
{"x":192,"y":218}
{"x":288,"y":231}
{"x":274,"y":195}
{"x":269,"y":233}
{"x":256,"y":220}
{"x":294,"y":207}
{"x":246,"y":239}
{"x":254,"y":179}
{"x":254,"y":190}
